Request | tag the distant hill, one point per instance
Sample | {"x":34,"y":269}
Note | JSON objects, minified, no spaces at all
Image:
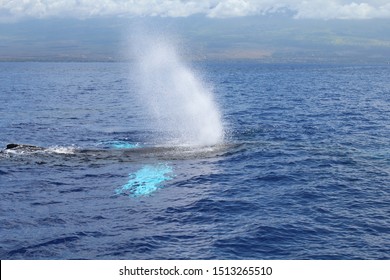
{"x":272,"y":38}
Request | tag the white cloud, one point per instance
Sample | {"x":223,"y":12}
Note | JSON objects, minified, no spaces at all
{"x":341,"y":9}
{"x":11,"y":10}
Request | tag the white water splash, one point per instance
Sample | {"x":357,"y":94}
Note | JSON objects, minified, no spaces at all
{"x":181,"y":105}
{"x":69,"y":150}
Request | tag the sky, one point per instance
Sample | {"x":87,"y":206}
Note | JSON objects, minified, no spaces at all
{"x":265,"y":30}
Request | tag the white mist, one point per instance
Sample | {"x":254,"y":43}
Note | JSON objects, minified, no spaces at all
{"x":181,"y":104}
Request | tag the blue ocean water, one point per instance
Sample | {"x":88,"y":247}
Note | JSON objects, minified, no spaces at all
{"x":303,"y":172}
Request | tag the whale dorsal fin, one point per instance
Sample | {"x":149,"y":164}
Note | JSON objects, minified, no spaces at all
{"x":12,"y":146}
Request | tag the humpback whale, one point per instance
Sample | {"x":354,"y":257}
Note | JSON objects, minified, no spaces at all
{"x":24,"y":147}
{"x":117,"y":151}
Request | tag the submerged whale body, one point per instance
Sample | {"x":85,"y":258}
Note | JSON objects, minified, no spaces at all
{"x":121,"y":152}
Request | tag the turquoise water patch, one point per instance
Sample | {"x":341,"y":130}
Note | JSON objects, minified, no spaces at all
{"x":146,"y":180}
{"x":121,"y":145}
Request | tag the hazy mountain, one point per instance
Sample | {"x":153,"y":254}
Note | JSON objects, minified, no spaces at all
{"x":268,"y":38}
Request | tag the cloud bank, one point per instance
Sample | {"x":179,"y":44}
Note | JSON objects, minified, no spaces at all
{"x":14,"y":10}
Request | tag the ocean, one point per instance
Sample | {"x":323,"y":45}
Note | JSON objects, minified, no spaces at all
{"x":274,"y":161}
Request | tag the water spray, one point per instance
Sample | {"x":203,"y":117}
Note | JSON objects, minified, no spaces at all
{"x":180,"y":103}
